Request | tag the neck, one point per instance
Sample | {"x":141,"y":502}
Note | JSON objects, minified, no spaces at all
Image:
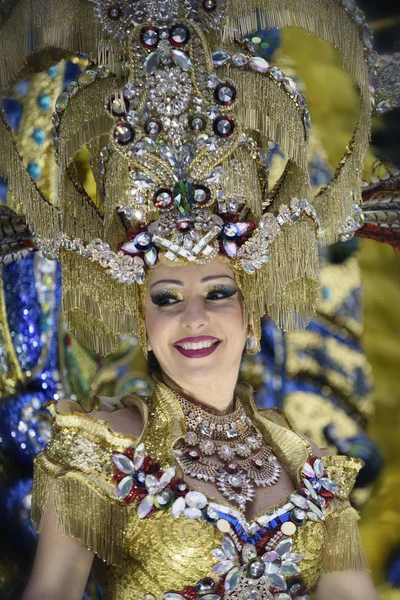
{"x":216,"y":397}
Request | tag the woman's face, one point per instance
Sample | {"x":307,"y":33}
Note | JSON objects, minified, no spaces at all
{"x":194,"y":322}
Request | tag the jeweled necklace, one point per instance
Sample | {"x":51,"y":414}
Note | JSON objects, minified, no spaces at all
{"x":227,"y":450}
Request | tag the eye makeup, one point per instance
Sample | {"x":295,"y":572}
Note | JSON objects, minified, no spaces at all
{"x":166,"y":297}
{"x":220,"y":292}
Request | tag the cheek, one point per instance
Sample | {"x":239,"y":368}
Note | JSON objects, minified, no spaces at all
{"x":158,"y":326}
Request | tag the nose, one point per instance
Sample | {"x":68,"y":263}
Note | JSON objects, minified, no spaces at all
{"x":194,"y":316}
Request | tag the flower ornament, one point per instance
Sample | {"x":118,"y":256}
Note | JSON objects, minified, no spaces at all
{"x":142,"y":244}
{"x":233,"y":234}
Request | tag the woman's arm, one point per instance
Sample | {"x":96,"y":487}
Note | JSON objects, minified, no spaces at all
{"x":62,"y":564}
{"x":345,"y":585}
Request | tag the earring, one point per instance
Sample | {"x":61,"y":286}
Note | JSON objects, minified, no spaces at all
{"x":251,"y":345}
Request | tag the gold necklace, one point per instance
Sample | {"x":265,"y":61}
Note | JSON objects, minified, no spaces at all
{"x":227,"y":450}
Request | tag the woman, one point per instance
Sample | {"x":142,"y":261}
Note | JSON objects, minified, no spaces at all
{"x":195,"y":327}
{"x":191,"y":493}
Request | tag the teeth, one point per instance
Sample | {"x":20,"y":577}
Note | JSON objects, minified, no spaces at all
{"x":197,"y":345}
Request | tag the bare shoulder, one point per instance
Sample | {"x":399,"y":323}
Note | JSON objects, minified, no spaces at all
{"x":126,"y":420}
{"x":316,"y":450}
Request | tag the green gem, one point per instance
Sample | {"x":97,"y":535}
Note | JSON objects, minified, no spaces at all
{"x":184,"y":196}
{"x":164,"y":499}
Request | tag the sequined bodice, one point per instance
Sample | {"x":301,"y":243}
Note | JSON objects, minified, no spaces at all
{"x":164,"y":540}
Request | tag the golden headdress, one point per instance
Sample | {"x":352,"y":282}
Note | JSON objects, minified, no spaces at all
{"x":177,"y":111}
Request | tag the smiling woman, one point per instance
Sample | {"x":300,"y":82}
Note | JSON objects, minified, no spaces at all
{"x":192,"y":493}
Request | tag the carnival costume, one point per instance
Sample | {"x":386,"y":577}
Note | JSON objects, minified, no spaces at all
{"x":177,"y":111}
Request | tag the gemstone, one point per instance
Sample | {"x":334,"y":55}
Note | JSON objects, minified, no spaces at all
{"x":311,"y":489}
{"x":167,"y":476}
{"x":196,"y":500}
{"x":278,"y":581}
{"x":290,"y":569}
{"x":259,"y":64}
{"x":225,"y":94}
{"x":223,"y":126}
{"x":308,"y":470}
{"x":251,"y":593}
{"x":258,"y":463}
{"x":44,"y":101}
{"x":211,"y":597}
{"x":220,"y":57}
{"x":123,"y":463}
{"x":151,"y":483}
{"x":173,"y":596}
{"x":184,"y":226}
{"x":255,"y":568}
{"x":151,"y":63}
{"x":228,"y":548}
{"x":282,"y":596}
{"x":72,"y":88}
{"x":232,"y":467}
{"x":239,"y":60}
{"x":62,"y":102}
{"x":318,"y":467}
{"x":181,"y":59}
{"x":316,"y":511}
{"x":197,"y":122}
{"x":205,"y":586}
{"x":183,"y":196}
{"x":213,"y":81}
{"x":34,"y":170}
{"x":149,"y":37}
{"x":226,"y":452}
{"x":164,"y":499}
{"x":87,"y":78}
{"x":192,"y":513}
{"x":298,"y":516}
{"x":359,"y":17}
{"x":145,"y":506}
{"x":124,"y":133}
{"x":140,"y":477}
{"x":149,"y":597}
{"x":215,"y":176}
{"x":212,"y":111}
{"x":223,"y":567}
{"x":114,"y":12}
{"x":288,"y":528}
{"x":139,"y":456}
{"x":235,"y":481}
{"x":231,"y":433}
{"x":163,"y":198}
{"x":192,"y":455}
{"x":299,"y":501}
{"x":210,"y":515}
{"x":207,"y":447}
{"x":153,"y":127}
{"x":329,"y":485}
{"x":178,"y":507}
{"x":284,"y":547}
{"x":179,"y":35}
{"x":142,"y":181}
{"x":232,"y":580}
{"x":201,"y":194}
{"x":124,"y":487}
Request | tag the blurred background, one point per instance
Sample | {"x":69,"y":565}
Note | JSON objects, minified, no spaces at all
{"x":338,"y":381}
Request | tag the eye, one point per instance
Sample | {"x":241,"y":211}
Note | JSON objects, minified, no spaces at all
{"x":165,"y":298}
{"x":221,"y":292}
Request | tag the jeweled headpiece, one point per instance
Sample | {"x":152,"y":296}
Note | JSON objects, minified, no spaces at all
{"x":177,"y":111}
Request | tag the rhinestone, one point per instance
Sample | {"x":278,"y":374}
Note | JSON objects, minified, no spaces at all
{"x":359,"y":17}
{"x":197,"y":122}
{"x":114,"y":12}
{"x":181,"y":59}
{"x":225,"y":94}
{"x":140,"y":477}
{"x":232,"y":580}
{"x":207,"y":446}
{"x":223,"y":126}
{"x":87,"y":78}
{"x":123,"y":463}
{"x":62,"y":102}
{"x":250,"y":593}
{"x":298,"y":516}
{"x":205,"y":430}
{"x":118,"y":107}
{"x":151,"y":63}
{"x":258,"y":463}
{"x":231,"y":468}
{"x":231,"y":433}
{"x":192,"y":512}
{"x":164,"y":499}
{"x":124,"y":487}
{"x":205,"y":586}
{"x":255,"y":568}
{"x":249,"y":552}
{"x":192,"y":455}
{"x":130,"y":91}
{"x":163,"y":199}
{"x":145,"y":506}
{"x":179,"y":35}
{"x":72,"y":88}
{"x":150,"y":37}
{"x":213,"y":81}
{"x":235,"y":481}
{"x":178,"y":507}
{"x":173,"y":596}
{"x":226,"y":452}
{"x":152,"y":127}
{"x":149,"y":597}
{"x":259,"y":64}
{"x":239,"y":60}
{"x":196,"y":500}
{"x":210,"y":515}
{"x":124,"y":133}
{"x":220,"y":57}
{"x":201,"y":194}
{"x":318,"y":467}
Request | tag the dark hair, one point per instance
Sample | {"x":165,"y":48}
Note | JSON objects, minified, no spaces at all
{"x":152,"y":363}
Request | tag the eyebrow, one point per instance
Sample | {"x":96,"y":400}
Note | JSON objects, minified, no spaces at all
{"x":178,"y":282}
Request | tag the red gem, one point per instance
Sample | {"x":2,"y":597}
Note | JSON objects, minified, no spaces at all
{"x":192,"y":455}
{"x":129,"y":453}
{"x":257,"y":463}
{"x":147,"y":464}
{"x":189,"y":593}
{"x":117,"y":476}
{"x":231,"y":467}
{"x":185,"y":226}
{"x":179,"y":487}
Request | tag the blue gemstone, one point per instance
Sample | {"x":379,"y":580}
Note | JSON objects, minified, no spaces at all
{"x":34,"y":170}
{"x":52,"y":72}
{"x":39,"y":136}
{"x":326,"y":293}
{"x":44,"y":101}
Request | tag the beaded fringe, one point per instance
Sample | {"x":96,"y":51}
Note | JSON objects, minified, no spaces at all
{"x":82,"y":512}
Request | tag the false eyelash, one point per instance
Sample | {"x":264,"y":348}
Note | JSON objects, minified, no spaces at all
{"x":161,"y":298}
{"x":227,"y":291}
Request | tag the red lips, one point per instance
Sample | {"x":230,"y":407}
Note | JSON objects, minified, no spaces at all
{"x":199,"y":352}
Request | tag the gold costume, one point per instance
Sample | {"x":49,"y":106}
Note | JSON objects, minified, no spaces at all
{"x":163,"y":552}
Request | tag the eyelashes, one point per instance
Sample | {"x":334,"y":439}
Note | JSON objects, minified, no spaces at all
{"x":165,"y":298}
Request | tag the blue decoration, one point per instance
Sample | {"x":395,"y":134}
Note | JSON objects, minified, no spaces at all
{"x":39,"y":136}
{"x":34,"y":170}
{"x":53,"y":71}
{"x":13,"y":110}
{"x":44,"y":101}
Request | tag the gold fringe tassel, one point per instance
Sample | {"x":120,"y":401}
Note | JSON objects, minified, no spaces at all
{"x":41,"y":216}
{"x":344,"y":550}
{"x":82,"y":512}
